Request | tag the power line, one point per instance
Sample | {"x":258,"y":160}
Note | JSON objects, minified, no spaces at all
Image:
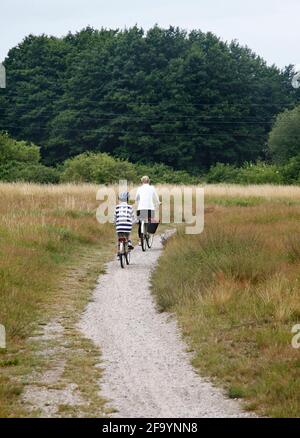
{"x":130,"y":116}
{"x":134,"y":132}
{"x":154,"y":120}
{"x":168,"y":101}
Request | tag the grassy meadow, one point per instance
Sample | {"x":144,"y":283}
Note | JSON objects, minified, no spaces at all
{"x":236,"y":292}
{"x":234,"y":288}
{"x":44,"y":232}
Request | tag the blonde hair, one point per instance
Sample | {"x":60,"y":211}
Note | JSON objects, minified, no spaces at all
{"x":145,"y":179}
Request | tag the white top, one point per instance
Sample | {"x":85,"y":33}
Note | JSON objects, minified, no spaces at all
{"x":146,"y":197}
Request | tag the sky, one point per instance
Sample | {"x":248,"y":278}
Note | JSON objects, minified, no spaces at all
{"x":269,"y":27}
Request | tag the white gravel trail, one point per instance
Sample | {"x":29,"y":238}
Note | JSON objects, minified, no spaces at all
{"x":147,"y":371}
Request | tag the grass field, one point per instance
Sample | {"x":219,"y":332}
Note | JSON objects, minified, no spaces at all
{"x":45,"y":231}
{"x":235,"y":288}
{"x":236,"y":293}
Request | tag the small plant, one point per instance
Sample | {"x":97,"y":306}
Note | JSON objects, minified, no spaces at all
{"x":236,"y":392}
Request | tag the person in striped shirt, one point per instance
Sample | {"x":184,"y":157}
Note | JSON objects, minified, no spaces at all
{"x":124,"y":218}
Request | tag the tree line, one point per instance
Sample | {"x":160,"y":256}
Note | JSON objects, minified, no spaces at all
{"x":187,"y":100}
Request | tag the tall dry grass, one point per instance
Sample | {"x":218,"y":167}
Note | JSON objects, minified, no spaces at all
{"x":236,"y":292}
{"x":41,"y":227}
{"x":43,"y":230}
{"x":267,"y":191}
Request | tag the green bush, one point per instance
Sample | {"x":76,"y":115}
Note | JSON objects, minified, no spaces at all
{"x":222,"y":173}
{"x":284,"y":139}
{"x":291,"y":171}
{"x":20,"y":161}
{"x":12,"y":150}
{"x":102,"y":168}
{"x":98,"y":168}
{"x":28,"y":172}
{"x":259,"y":173}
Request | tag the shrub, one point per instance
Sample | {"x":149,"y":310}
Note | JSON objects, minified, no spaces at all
{"x":28,"y":172}
{"x":221,"y":173}
{"x":102,"y":168}
{"x":284,"y":139}
{"x":260,"y":173}
{"x":98,"y":168}
{"x":249,"y":173}
{"x":12,"y":150}
{"x":20,"y":161}
{"x":291,"y":171}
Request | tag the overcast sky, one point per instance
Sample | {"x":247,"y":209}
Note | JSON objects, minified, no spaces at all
{"x":269,"y":27}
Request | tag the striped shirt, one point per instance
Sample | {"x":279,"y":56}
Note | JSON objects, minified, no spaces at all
{"x":124,"y":217}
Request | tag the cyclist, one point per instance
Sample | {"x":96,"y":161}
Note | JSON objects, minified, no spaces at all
{"x":124,"y":218}
{"x":146,"y":198}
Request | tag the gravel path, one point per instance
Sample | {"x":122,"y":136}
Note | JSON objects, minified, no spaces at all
{"x":147,"y":371}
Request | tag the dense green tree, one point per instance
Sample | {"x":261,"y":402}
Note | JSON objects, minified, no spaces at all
{"x":187,"y":100}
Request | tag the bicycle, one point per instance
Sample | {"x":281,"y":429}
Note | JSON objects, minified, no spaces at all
{"x":123,"y":251}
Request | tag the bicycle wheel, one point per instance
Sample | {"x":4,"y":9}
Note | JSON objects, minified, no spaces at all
{"x":144,"y":233}
{"x":127,"y":257}
{"x":122,"y":260}
{"x":121,"y":256}
{"x":149,"y":239}
{"x":143,"y":242}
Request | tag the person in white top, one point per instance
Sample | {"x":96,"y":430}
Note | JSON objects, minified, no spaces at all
{"x":146,"y":199}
